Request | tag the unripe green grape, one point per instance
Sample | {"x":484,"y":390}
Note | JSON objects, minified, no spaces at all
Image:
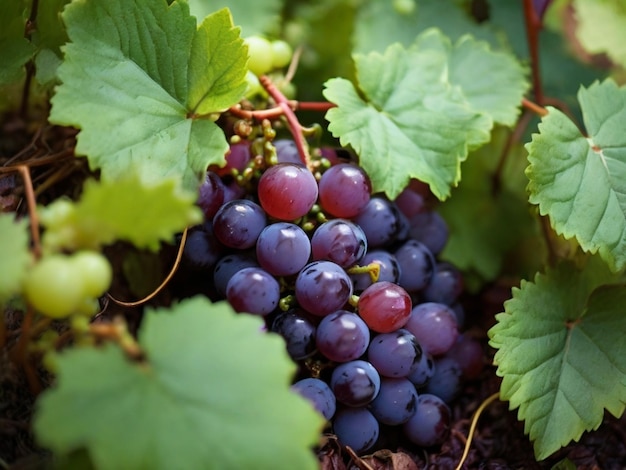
{"x":254,"y":86}
{"x":404,"y":7}
{"x":54,"y":286}
{"x":260,"y":55}
{"x":95,"y":272}
{"x":281,"y":54}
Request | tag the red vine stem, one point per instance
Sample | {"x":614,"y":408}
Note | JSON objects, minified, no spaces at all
{"x":534,"y":107}
{"x":533,"y":26}
{"x":292,"y":120}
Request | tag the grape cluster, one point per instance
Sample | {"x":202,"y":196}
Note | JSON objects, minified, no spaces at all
{"x":349,"y":279}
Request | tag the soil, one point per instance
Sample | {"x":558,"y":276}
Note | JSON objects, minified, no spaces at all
{"x":499,"y":442}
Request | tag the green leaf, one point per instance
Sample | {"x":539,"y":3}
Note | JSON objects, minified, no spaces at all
{"x":265,"y":20}
{"x":489,"y":220}
{"x":14,"y":255}
{"x":379,"y":24}
{"x":140,"y":81}
{"x":418,"y":111}
{"x":48,"y":37}
{"x":213,"y":392}
{"x":126,"y":209}
{"x":561,"y":352}
{"x":580,"y":182}
{"x":15,"y":49}
{"x":601,"y":27}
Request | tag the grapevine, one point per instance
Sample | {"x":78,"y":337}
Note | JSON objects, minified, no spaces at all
{"x":286,"y":235}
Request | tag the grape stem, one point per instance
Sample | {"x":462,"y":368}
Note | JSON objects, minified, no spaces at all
{"x":117,"y":331}
{"x":534,"y":107}
{"x":534,"y":24}
{"x":290,"y":115}
{"x":32,"y":208}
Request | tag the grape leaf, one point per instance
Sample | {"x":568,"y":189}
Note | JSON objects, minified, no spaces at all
{"x":126,"y":209}
{"x":379,"y":24}
{"x":48,"y":37}
{"x":580,"y":182}
{"x":602,"y":27}
{"x":14,"y":255}
{"x":561,"y":352}
{"x":265,"y":20}
{"x":213,"y":392}
{"x":489,"y":224}
{"x":15,"y":49}
{"x":141,"y":82}
{"x":412,"y":116}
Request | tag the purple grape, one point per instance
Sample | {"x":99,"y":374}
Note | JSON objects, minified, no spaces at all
{"x":210,"y":195}
{"x":202,"y":249}
{"x":344,"y":190}
{"x":322,"y":287}
{"x":422,"y":371}
{"x":233,"y":191}
{"x":380,"y":220}
{"x":430,"y":229}
{"x":417,"y":265}
{"x":469,"y":354}
{"x":446,"y":381}
{"x":540,"y":7}
{"x":287,"y":152}
{"x":319,"y":394}
{"x":238,"y":223}
{"x":445,"y":286}
{"x":287,"y":191}
{"x":283,"y":249}
{"x":430,"y":425}
{"x":229,"y":265}
{"x":434,"y":325}
{"x":389,"y":269}
{"x":355,"y":383}
{"x":253,"y":290}
{"x":342,"y":336}
{"x":396,"y":401}
{"x":393,"y":354}
{"x":356,"y":428}
{"x":410,"y":203}
{"x":298,"y":332}
{"x":339,"y":241}
{"x":237,"y":158}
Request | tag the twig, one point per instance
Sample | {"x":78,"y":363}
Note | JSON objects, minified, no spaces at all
{"x":32,"y":209}
{"x":472,"y":428}
{"x":150,"y":296}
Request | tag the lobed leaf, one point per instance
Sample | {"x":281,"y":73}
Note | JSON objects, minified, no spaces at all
{"x":140,"y":81}
{"x":213,"y":392}
{"x":14,"y":254}
{"x":579,"y":181}
{"x":561,"y":352}
{"x":127,"y":209}
{"x":415,"y":114}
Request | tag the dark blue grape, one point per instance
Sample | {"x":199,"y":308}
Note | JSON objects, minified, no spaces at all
{"x":417,"y":265}
{"x":396,"y":402}
{"x":319,"y":394}
{"x":393,"y":354}
{"x":253,"y":290}
{"x":283,"y":249}
{"x":356,"y":428}
{"x":323,"y":287}
{"x":298,"y":332}
{"x":355,"y":383}
{"x":342,"y":336}
{"x":430,"y":424}
{"x":238,"y":223}
{"x":339,"y":241}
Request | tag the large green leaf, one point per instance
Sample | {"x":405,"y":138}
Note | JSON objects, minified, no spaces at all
{"x":602,"y":27}
{"x":264,"y":20}
{"x":379,"y":24}
{"x":213,"y":392}
{"x":140,"y":81}
{"x":14,"y":254}
{"x":126,"y":209}
{"x":561,"y":352}
{"x":580,"y":181}
{"x":416,"y":113}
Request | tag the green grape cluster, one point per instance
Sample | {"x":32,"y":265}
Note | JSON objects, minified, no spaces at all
{"x":60,"y":285}
{"x":265,"y":55}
